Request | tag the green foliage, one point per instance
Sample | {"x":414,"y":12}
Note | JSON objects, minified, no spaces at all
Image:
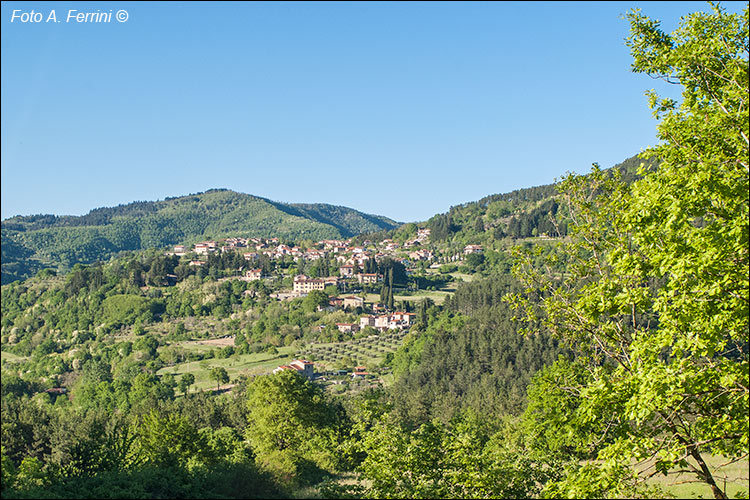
{"x":470,"y":356}
{"x":30,"y":475}
{"x":125,"y":309}
{"x":293,"y":428}
{"x":220,"y":375}
{"x":461,"y":459}
{"x":186,"y":380}
{"x":170,"y":441}
{"x":604,"y":480}
{"x":156,"y":456}
{"x":315,"y":299}
{"x":657,"y":286}
{"x":555,"y":423}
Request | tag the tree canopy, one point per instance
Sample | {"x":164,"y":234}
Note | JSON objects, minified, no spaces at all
{"x":655,"y":296}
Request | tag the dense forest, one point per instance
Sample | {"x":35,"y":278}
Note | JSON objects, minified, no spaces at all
{"x":596,"y":344}
{"x":470,"y":357}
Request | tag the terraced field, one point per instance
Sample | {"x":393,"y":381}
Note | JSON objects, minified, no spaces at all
{"x":368,"y":351}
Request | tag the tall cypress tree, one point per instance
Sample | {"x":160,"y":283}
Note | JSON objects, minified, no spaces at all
{"x":390,"y":289}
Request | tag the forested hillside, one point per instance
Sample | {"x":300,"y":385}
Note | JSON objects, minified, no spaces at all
{"x":31,"y":243}
{"x":470,"y":357}
{"x":522,"y":213}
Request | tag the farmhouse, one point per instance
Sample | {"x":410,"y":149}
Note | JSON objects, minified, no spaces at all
{"x":205,"y":247}
{"x":346,"y":271}
{"x":336,"y":302}
{"x":381,"y":322}
{"x":366,"y":321}
{"x":347,"y":327}
{"x":368,"y":278}
{"x":331,"y":280}
{"x":395,"y":321}
{"x":301,"y":366}
{"x":422,"y":254}
{"x":404,"y":318}
{"x":313,"y":255}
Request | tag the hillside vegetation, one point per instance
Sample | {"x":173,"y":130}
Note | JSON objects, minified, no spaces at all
{"x":31,"y":243}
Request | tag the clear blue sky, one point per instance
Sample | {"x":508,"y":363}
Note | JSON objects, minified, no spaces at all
{"x":399,"y":109}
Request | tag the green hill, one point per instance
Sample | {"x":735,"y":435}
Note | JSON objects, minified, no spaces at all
{"x":518,"y":214}
{"x":31,"y":243}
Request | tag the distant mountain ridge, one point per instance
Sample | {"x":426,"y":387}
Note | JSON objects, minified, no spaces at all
{"x":31,"y":243}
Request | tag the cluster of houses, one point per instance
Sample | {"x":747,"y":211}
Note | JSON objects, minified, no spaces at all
{"x":381,"y":322}
{"x":265,"y":246}
{"x":349,"y":257}
{"x":345,"y":253}
{"x":423,"y":234}
{"x":422,"y":254}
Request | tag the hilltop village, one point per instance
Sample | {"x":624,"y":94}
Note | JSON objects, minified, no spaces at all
{"x":342,"y":283}
{"x":351,"y":271}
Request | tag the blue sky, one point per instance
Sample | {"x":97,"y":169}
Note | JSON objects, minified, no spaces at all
{"x":398,"y":109}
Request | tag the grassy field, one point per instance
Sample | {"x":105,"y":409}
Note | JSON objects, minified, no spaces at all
{"x":10,"y":357}
{"x":737,"y":480}
{"x":462,"y":276}
{"x":683,"y":485}
{"x":245,"y":364}
{"x":437,"y":295}
{"x":366,"y":351}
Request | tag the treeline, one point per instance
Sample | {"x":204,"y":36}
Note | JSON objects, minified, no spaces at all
{"x":273,"y":436}
{"x":150,"y":445}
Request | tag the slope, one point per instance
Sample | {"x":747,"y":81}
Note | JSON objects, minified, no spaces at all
{"x":30,"y":243}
